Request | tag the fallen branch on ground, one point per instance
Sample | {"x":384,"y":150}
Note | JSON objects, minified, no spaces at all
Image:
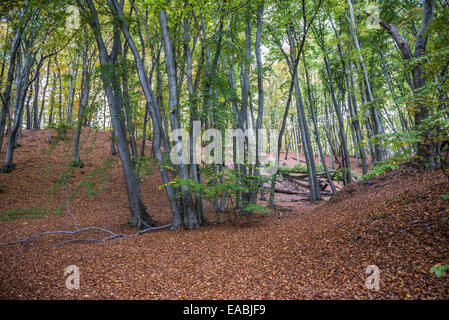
{"x":277,"y":190}
{"x":112,"y":235}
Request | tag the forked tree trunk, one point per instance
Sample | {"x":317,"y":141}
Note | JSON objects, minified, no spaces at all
{"x":6,"y":95}
{"x":139,"y":217}
{"x":19,"y":103}
{"x":158,"y":134}
{"x":190,"y":217}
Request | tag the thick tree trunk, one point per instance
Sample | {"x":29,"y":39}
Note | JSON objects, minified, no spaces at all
{"x":190,"y":217}
{"x":426,"y":152}
{"x":158,"y":134}
{"x":6,"y":95}
{"x":139,"y":216}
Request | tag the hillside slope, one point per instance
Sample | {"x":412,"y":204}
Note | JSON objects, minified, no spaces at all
{"x":318,"y":251}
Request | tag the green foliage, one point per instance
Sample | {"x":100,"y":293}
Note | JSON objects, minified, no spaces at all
{"x":339,"y":174}
{"x":145,"y":167}
{"x":319,"y":168}
{"x":97,"y":179}
{"x":400,"y":140}
{"x":254,"y":208}
{"x":77,"y":164}
{"x":382,"y":215}
{"x":299,"y":169}
{"x":295,"y":169}
{"x":439,"y":270}
{"x":435,"y":128}
{"x":61,"y":129}
{"x":445,"y":220}
{"x":233,"y":182}
{"x":209,"y":190}
{"x":386,"y":166}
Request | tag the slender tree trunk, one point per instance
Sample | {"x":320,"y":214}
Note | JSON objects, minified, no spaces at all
{"x":317,"y":135}
{"x":352,"y":102}
{"x":44,"y":92}
{"x":199,"y":207}
{"x":73,"y":77}
{"x":35,"y":109}
{"x":29,"y":121}
{"x":307,"y":146}
{"x":281,"y":133}
{"x":128,"y":110}
{"x":60,"y":111}
{"x":52,"y":100}
{"x":374,"y":111}
{"x":260,"y":113}
{"x":28,"y":100}
{"x":144,"y":130}
{"x":356,"y":123}
{"x":84,"y":98}
{"x":344,"y":144}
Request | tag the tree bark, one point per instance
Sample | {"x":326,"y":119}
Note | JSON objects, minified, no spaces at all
{"x":190,"y":217}
{"x":315,"y":124}
{"x":44,"y":92}
{"x":139,"y":217}
{"x":374,"y":111}
{"x":23,"y":82}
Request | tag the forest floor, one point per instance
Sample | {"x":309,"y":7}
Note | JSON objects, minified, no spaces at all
{"x":311,"y":251}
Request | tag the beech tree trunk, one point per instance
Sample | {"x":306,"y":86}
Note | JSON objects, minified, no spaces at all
{"x":19,"y":103}
{"x":139,"y":217}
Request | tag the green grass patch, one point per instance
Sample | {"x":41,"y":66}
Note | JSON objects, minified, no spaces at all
{"x":296,"y":169}
{"x":27,"y":213}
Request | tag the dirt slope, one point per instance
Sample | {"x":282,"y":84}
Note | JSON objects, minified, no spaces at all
{"x":316,"y":251}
